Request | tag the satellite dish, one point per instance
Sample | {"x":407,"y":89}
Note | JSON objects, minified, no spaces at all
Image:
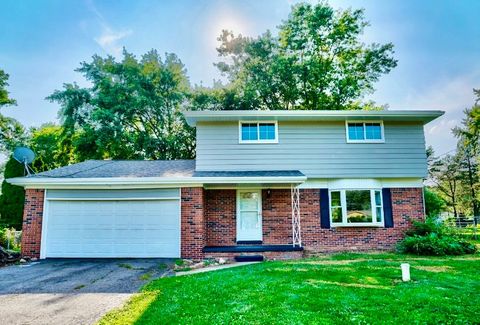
{"x":24,"y":156}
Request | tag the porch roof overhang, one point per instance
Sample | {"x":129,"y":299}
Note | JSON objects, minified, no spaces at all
{"x":198,"y":179}
{"x":423,"y":116}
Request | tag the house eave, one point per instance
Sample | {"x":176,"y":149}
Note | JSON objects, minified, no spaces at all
{"x":424,"y":116}
{"x":146,"y":182}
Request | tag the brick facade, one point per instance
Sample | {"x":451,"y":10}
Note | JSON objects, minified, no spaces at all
{"x":407,"y":205}
{"x":208,"y":218}
{"x":32,"y":222}
{"x":220,"y":215}
{"x":277,"y":217}
{"x":193,"y":232}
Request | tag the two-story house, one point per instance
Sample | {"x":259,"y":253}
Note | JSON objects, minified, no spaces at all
{"x":269,"y":183}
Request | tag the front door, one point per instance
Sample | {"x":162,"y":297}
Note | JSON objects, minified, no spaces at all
{"x":249,"y":215}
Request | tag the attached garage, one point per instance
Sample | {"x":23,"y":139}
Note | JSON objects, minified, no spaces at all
{"x":111,"y":223}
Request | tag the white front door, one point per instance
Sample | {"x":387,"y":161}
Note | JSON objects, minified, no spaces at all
{"x":249,"y":215}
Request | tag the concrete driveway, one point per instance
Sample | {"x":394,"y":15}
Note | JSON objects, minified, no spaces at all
{"x":72,"y":291}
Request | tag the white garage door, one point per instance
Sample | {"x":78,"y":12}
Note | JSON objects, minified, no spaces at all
{"x":107,"y":227}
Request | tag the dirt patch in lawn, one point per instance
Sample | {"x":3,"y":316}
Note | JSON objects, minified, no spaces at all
{"x":315,"y":282}
{"x":436,"y":269}
{"x":336,"y":262}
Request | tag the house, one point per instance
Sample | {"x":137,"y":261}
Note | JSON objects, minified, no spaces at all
{"x":273,"y":183}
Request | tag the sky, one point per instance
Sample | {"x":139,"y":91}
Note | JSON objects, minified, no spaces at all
{"x":437,"y":44}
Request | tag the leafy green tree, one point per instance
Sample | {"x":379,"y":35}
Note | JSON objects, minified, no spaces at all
{"x":4,"y":96}
{"x":317,"y":61}
{"x":445,"y":175}
{"x":132,"y":110}
{"x":12,"y":133}
{"x":12,"y":198}
{"x":468,"y":148}
{"x":434,"y":204}
{"x":51,"y":148}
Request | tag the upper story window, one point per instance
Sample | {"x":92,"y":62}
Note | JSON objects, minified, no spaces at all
{"x":359,"y":131}
{"x":258,"y":132}
{"x":356,"y":208}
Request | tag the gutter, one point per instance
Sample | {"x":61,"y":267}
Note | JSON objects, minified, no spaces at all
{"x":47,"y":182}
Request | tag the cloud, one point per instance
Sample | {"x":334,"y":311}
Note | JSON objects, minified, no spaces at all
{"x":109,"y":38}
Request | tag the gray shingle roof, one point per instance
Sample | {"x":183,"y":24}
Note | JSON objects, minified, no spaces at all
{"x":151,"y":168}
{"x":124,"y":168}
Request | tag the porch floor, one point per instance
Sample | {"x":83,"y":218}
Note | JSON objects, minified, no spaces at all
{"x":251,"y":248}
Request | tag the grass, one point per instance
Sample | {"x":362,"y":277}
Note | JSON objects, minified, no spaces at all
{"x":343,"y":288}
{"x":145,"y":276}
{"x":126,"y":266}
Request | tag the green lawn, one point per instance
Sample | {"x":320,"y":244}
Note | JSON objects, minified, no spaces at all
{"x":344,"y":288}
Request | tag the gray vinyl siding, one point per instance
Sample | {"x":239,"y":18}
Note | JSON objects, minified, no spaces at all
{"x":317,"y":149}
{"x":117,"y":194}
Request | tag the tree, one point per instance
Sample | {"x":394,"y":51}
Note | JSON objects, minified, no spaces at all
{"x":434,"y":204}
{"x":468,"y":148}
{"x":317,"y":61}
{"x":4,"y":95}
{"x":12,"y":133}
{"x":12,"y":198}
{"x":132,"y":110}
{"x":444,"y":173}
{"x":50,"y":147}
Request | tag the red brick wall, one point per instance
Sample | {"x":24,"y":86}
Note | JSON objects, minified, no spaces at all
{"x":407,"y":205}
{"x":277,"y":216}
{"x":277,"y":223}
{"x":32,"y":222}
{"x":220,"y":215}
{"x":193,"y":223}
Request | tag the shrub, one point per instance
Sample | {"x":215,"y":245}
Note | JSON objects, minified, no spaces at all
{"x":434,"y":238}
{"x":6,"y":235}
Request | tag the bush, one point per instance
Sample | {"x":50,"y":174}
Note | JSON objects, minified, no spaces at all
{"x":12,"y":198}
{"x":6,"y":235}
{"x":434,"y":238}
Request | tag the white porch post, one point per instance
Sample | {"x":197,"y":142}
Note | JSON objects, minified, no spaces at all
{"x":296,"y":233}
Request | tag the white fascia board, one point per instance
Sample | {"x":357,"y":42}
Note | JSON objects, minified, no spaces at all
{"x":363,"y":183}
{"x":142,"y":182}
{"x":425,"y":116}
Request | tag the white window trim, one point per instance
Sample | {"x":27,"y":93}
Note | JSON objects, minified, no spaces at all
{"x":343,"y":201}
{"x":382,"y":140}
{"x":259,"y":141}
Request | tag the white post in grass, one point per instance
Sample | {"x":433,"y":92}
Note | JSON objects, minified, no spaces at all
{"x":405,"y":272}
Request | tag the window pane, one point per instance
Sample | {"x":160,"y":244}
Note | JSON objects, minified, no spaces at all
{"x":379,"y":214}
{"x":337,"y":214}
{"x":359,"y":206}
{"x":249,"y":131}
{"x":373,"y":131}
{"x":355,"y":131}
{"x":335,"y":199}
{"x":267,"y":131}
{"x":378,"y":198}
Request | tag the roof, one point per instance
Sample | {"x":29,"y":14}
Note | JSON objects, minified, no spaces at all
{"x":424,"y":116}
{"x":123,"y":168}
{"x":108,"y":173}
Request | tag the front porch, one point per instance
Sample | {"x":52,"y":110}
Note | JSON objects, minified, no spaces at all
{"x":251,"y":222}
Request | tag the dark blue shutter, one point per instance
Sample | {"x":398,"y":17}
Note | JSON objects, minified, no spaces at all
{"x":324,"y":209}
{"x":387,"y":208}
